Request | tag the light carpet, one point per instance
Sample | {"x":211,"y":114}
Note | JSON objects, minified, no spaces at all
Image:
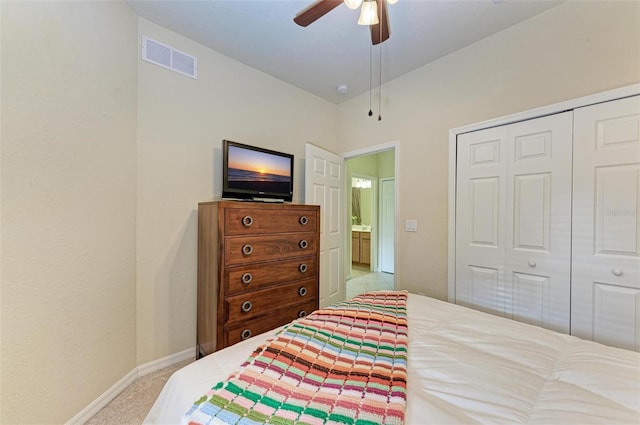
{"x":131,"y":406}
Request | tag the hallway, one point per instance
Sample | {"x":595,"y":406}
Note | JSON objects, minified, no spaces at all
{"x":363,"y":280}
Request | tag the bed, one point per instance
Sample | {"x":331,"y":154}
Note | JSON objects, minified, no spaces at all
{"x":466,"y":366}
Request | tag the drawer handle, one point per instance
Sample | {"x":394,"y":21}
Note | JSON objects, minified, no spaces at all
{"x":247,"y":249}
{"x":247,"y":278}
{"x":303,"y":220}
{"x":302,"y":291}
{"x":303,"y":244}
{"x":617,"y":272}
{"x":532,"y":263}
{"x":302,"y":314}
{"x":302,"y":268}
{"x":246,"y":306}
{"x":246,"y":334}
{"x":247,"y":220}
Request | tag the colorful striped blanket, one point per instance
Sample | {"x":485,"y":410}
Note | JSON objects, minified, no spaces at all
{"x":344,"y":364}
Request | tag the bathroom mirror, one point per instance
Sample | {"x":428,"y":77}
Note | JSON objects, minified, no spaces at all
{"x":361,"y":193}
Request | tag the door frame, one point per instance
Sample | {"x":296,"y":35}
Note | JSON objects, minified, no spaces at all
{"x":369,"y":150}
{"x":626,"y":91}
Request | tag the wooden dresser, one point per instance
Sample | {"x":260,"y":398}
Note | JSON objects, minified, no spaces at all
{"x":258,"y":268}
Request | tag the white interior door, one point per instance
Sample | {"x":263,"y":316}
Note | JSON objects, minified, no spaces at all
{"x":605,"y":299}
{"x":387,"y":224}
{"x":325,"y":186}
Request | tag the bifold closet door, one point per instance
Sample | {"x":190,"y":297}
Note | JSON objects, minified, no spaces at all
{"x":513,"y":220}
{"x":605,"y":299}
{"x":538,"y":221}
{"x":480,"y":215}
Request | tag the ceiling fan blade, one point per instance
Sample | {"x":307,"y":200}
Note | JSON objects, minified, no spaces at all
{"x":381,"y":31}
{"x":315,"y":11}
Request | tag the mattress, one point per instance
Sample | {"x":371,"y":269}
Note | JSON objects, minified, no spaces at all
{"x":467,"y":366}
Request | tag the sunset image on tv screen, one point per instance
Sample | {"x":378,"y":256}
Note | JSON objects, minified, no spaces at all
{"x":254,"y":170}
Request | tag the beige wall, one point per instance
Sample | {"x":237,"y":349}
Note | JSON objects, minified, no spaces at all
{"x":181,"y":124}
{"x":104,"y":159}
{"x":570,"y":51}
{"x":68,"y":206}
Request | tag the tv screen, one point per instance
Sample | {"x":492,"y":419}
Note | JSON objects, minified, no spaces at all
{"x":250,"y":172}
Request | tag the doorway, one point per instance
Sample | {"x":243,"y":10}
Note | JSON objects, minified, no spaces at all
{"x":371,"y":184}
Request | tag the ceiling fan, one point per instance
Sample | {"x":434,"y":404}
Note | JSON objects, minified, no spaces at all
{"x":378,"y":22}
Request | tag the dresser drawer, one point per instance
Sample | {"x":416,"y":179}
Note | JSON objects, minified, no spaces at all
{"x":245,"y":250}
{"x":249,"y":328}
{"x":240,"y":279}
{"x":255,"y":221}
{"x":243,"y":307}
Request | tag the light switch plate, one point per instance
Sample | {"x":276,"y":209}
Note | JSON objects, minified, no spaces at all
{"x":411,"y":225}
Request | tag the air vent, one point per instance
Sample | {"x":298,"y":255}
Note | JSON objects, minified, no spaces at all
{"x":167,"y":57}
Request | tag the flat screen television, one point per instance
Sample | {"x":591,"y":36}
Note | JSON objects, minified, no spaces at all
{"x":250,"y":172}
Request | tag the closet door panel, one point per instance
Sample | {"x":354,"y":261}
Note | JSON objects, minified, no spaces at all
{"x":483,"y":289}
{"x":606,"y":223}
{"x":531,"y":300}
{"x":538,"y":221}
{"x":531,"y":207}
{"x":484,"y":211}
{"x":615,"y":312}
{"x":480,"y":214}
{"x":616,"y":224}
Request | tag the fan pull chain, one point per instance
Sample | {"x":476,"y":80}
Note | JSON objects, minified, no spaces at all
{"x":370,"y":78}
{"x":382,"y":9}
{"x":380,"y":85}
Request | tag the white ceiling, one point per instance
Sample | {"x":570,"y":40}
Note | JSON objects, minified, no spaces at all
{"x":335,"y":50}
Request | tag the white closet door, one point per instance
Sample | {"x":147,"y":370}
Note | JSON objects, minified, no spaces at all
{"x":605,"y":299}
{"x":480,"y":216}
{"x":513,"y":221}
{"x":538,"y":221}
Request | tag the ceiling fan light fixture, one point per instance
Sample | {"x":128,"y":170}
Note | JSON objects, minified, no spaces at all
{"x":354,"y":4}
{"x":368,"y":13}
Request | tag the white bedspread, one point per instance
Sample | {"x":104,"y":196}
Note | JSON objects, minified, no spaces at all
{"x":466,"y":366}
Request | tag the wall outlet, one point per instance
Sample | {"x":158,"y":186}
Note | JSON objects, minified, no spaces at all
{"x":411,"y":225}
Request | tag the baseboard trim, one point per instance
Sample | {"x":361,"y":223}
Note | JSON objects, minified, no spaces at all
{"x":147,"y":368}
{"x":93,"y":408}
{"x":88,"y":412}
